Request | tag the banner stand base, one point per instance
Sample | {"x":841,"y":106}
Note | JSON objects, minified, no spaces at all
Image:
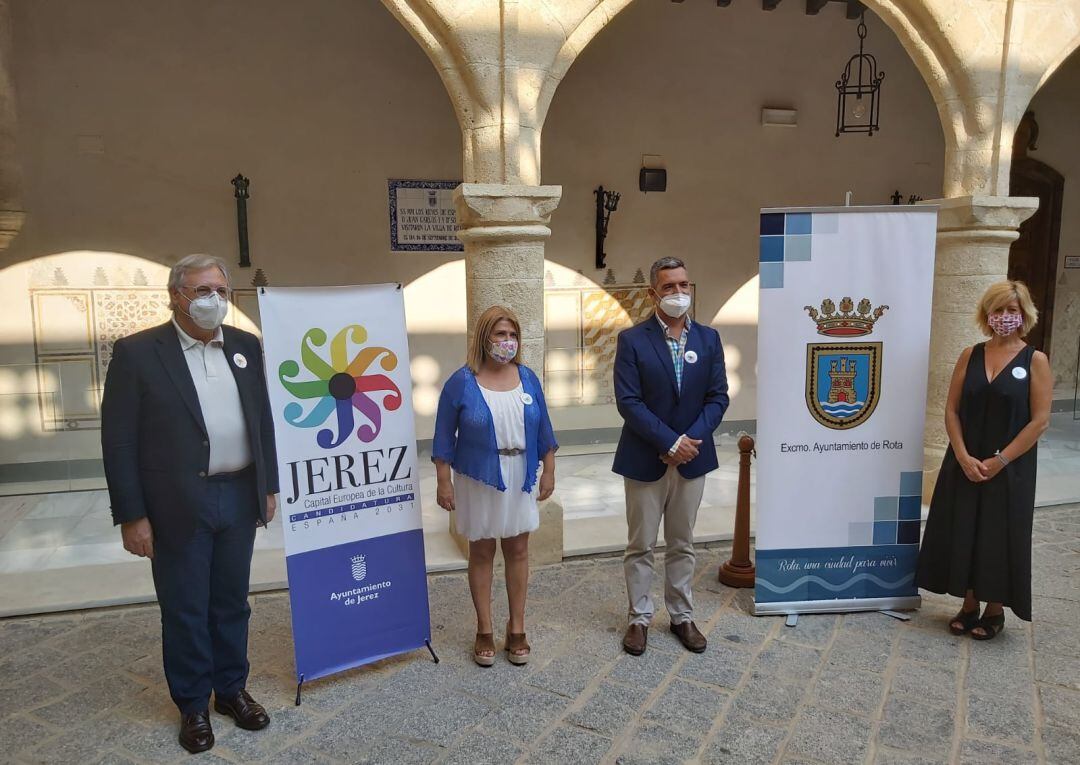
{"x":903,"y":603}
{"x":896,"y":615}
{"x":300,"y":684}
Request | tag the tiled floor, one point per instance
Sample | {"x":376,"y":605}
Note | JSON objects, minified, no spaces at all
{"x":61,"y":551}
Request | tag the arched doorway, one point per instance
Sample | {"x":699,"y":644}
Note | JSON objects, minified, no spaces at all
{"x":1033,"y":258}
{"x":1046,"y":163}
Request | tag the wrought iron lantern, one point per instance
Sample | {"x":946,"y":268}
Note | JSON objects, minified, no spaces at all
{"x":858,"y":98}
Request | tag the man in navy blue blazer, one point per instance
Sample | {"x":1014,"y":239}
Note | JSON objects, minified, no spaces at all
{"x":671,"y":390}
{"x":188,"y":444}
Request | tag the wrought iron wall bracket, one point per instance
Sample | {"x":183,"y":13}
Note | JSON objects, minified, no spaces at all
{"x":606,"y":203}
{"x":240,"y":186}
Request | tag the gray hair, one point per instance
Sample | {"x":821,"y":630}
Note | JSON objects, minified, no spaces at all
{"x":663,"y":264}
{"x":195,"y":262}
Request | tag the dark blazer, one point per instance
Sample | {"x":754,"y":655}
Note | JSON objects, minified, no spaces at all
{"x":655,"y":412}
{"x":153,"y":439}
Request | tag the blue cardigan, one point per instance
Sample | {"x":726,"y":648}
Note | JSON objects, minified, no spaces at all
{"x":465,"y":430}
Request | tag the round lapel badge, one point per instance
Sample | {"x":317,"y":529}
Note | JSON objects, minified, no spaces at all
{"x":690,"y":357}
{"x":526,"y":399}
{"x":239,"y":360}
{"x":1019,"y":373}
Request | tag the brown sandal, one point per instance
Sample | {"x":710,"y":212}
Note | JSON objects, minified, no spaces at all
{"x":484,"y":642}
{"x":515,"y":641}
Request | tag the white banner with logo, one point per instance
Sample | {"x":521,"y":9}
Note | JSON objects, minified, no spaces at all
{"x":337,"y":367}
{"x":843,"y":347}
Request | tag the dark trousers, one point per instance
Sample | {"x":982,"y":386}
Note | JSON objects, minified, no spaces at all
{"x":202,"y":588}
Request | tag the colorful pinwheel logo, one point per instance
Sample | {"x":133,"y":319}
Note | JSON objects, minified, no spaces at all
{"x":342,"y":386}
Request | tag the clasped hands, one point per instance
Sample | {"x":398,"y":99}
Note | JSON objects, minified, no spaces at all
{"x":978,"y":471}
{"x":688,"y":450}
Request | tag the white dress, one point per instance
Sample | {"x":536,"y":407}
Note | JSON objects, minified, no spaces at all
{"x":484,"y":512}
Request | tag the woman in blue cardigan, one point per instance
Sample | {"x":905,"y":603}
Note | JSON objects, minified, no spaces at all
{"x":492,"y":431}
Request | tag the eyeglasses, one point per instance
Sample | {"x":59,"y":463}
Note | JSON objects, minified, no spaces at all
{"x":204,"y":291}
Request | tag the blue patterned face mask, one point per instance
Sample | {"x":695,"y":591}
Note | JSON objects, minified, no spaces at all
{"x":503,"y":351}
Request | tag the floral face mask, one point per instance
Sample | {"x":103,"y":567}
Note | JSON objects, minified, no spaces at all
{"x":1005,"y":323}
{"x":503,"y":351}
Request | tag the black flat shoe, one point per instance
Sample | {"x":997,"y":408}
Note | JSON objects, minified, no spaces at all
{"x":967,"y":619}
{"x":991,"y":626}
{"x":196,"y":735}
{"x":248,"y":713}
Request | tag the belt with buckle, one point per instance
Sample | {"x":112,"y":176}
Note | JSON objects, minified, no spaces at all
{"x":510,"y":452}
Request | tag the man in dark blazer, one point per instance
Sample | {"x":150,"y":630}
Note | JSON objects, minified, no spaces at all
{"x":671,"y":390}
{"x":188,"y":444}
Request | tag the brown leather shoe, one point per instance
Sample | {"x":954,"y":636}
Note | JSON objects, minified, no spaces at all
{"x":247,"y":712}
{"x":196,"y":735}
{"x":690,"y":636}
{"x":635,"y":639}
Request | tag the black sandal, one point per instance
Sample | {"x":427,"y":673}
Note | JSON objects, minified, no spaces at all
{"x":969,"y":620}
{"x":991,"y":625}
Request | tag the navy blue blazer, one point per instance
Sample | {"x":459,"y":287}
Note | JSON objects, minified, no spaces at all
{"x":655,"y":412}
{"x":153,"y":438}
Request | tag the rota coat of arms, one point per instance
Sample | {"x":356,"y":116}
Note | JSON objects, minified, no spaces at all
{"x":843,"y":379}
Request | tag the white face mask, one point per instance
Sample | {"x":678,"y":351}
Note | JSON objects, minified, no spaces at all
{"x":207,"y":312}
{"x":675,"y":305}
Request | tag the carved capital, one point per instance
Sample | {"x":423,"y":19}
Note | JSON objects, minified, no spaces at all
{"x":488,"y":211}
{"x":974,"y":213}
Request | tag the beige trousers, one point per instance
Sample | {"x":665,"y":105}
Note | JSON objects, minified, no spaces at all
{"x":675,"y":500}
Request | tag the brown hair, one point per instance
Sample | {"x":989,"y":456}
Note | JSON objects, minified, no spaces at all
{"x":1001,"y":294}
{"x":484,"y":327}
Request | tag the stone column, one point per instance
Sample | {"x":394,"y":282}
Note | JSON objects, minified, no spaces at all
{"x":504,"y":229}
{"x":11,"y":213}
{"x":973,"y":240}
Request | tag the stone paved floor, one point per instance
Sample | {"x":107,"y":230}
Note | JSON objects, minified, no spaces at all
{"x":857,"y":688}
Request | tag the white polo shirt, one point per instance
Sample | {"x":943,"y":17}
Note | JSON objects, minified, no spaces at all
{"x":219,"y":401}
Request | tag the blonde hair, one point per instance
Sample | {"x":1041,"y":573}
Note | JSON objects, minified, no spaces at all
{"x":484,"y":327}
{"x":1001,"y":294}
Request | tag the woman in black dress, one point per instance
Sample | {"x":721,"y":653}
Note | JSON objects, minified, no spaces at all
{"x":977,"y":543}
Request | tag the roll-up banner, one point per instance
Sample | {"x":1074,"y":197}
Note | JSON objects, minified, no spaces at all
{"x":843,"y":347}
{"x":337,"y":367}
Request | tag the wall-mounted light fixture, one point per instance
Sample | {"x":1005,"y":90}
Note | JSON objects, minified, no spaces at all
{"x":240,"y":186}
{"x":652,"y":179}
{"x":771,"y":117}
{"x":606,"y":203}
{"x":858,"y":100}
{"x":653,"y":175}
